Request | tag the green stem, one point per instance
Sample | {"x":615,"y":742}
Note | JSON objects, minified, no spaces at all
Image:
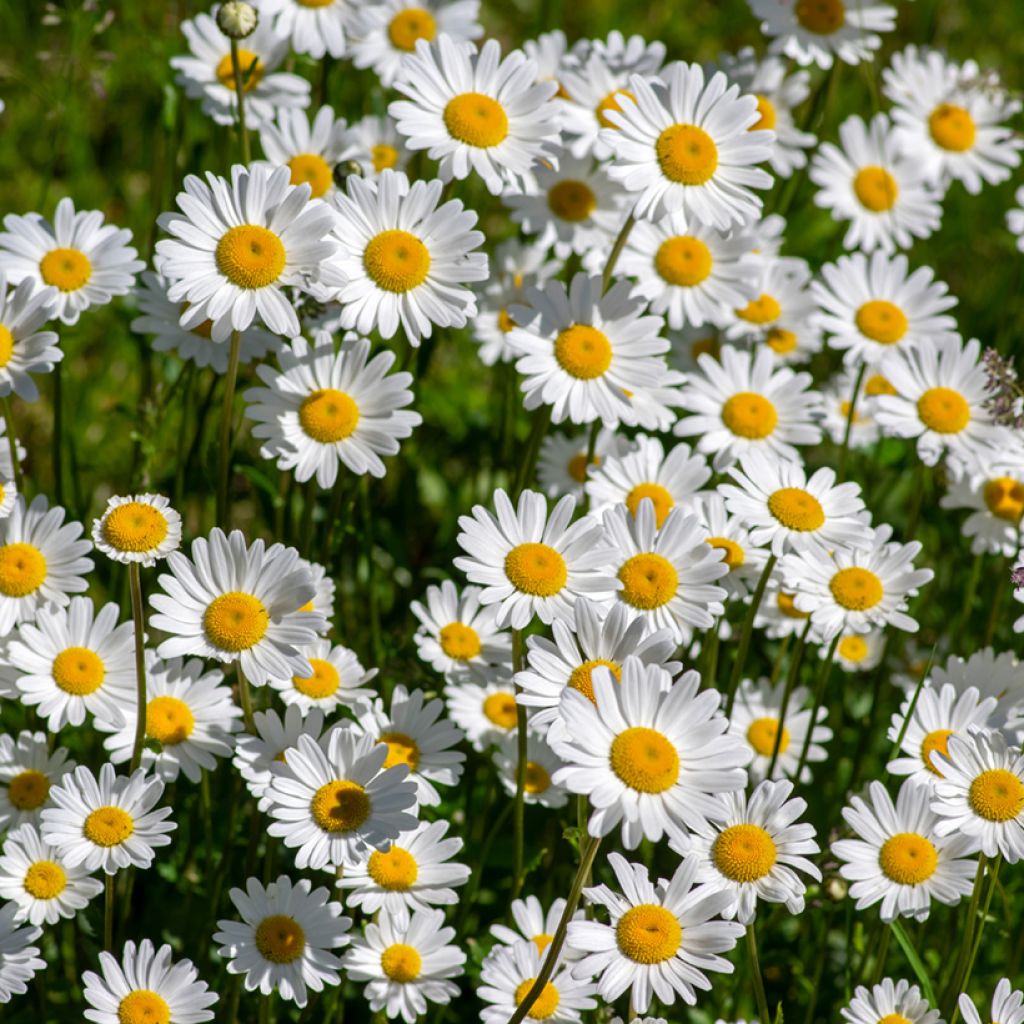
{"x":819,"y":695}
{"x":791,"y":678}
{"x":224,"y":440}
{"x":519,"y":815}
{"x":850,"y":413}
{"x":993,"y":882}
{"x":997,"y":603}
{"x":755,"y":972}
{"x":245,"y":696}
{"x":12,"y":442}
{"x":108,"y":913}
{"x":748,"y":628}
{"x":139,"y":623}
{"x":955,"y":986}
{"x":540,"y":427}
{"x":617,"y":247}
{"x":57,"y":440}
{"x":880,"y":954}
{"x":243,"y":130}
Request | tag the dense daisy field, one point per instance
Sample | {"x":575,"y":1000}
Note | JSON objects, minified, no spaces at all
{"x":511,"y":512}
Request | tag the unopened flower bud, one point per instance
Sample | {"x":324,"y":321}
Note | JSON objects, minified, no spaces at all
{"x":237,"y":19}
{"x":835,"y":888}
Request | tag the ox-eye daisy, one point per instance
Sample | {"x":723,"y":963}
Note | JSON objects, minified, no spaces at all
{"x":139,"y":528}
{"x":541,"y":765}
{"x":375,"y":145}
{"x":992,"y":488}
{"x":562,"y":465}
{"x":858,"y":652}
{"x":535,"y":925}
{"x":1007,"y":1005}
{"x":838,"y":396}
{"x":993,"y":675}
{"x":316,"y":27}
{"x":28,"y":771}
{"x":777,"y":614}
{"x":24,"y":349}
{"x":486,"y":712}
{"x":309,"y":151}
{"x":19,"y":959}
{"x":338,"y":678}
{"x":884,"y":1002}
{"x":729,"y":534}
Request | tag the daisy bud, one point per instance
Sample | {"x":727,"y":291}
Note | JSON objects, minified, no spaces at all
{"x":237,"y":19}
{"x":835,"y":888}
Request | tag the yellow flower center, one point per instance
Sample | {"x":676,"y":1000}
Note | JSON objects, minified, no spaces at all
{"x":735,"y":556}
{"x":944,"y":410}
{"x":313,"y":170}
{"x":500,"y":710}
{"x":750,"y":415}
{"x":644,"y":760}
{"x":996,"y":795}
{"x":544,"y":1005}
{"x":505,"y":322}
{"x":324,"y":681}
{"x":611,"y":102}
{"x":108,"y":826}
{"x":536,"y":569}
{"x":542,"y":941}
{"x":6,"y":345}
{"x":396,"y":261}
{"x":340,"y":806}
{"x":796,"y":509}
{"x":22,"y":569}
{"x":28,"y":790}
{"x":744,"y":853}
{"x":686,"y":154}
{"x":856,"y":589}
{"x":571,"y":200}
{"x":383,"y":157}
{"x":881,"y":321}
{"x":683,"y":260}
{"x":537,"y":778}
{"x":44,"y":880}
{"x":582,"y":677}
{"x":577,"y":467}
{"x":583,"y":351}
{"x":328,"y":415}
{"x":662,"y":499}
{"x":788,"y":607}
{"x":761,"y":736}
{"x":248,"y":63}
{"x":876,"y":189}
{"x":395,"y":870}
{"x":280,"y":939}
{"x":143,"y":1007}
{"x":402,"y":749}
{"x":937,"y":740}
{"x":767,"y":115}
{"x":134,"y":526}
{"x":822,"y":17}
{"x":78,"y":671}
{"x":648,"y":934}
{"x":169,"y":721}
{"x":952,"y":127}
{"x":410,"y":25}
{"x":250,"y":256}
{"x":876,"y":384}
{"x":894,"y":1018}
{"x":648,"y":581}
{"x":315,"y":3}
{"x":1004,"y":498}
{"x":459,"y":642}
{"x":401,"y":963}
{"x":762,"y":310}
{"x":780,"y":340}
{"x":235,"y":621}
{"x":476,"y":120}
{"x":66,"y":269}
{"x":908,"y":858}
{"x":852,"y":648}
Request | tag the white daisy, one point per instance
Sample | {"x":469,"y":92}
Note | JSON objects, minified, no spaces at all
{"x":535,"y":925}
{"x":338,"y":678}
{"x":837,"y":395}
{"x":562,"y":464}
{"x":309,"y":151}
{"x":140,"y":528}
{"x":777,"y":614}
{"x":485,"y":712}
{"x":541,"y":765}
{"x":729,"y":534}
{"x":993,"y":675}
{"x":24,"y":349}
{"x":19,"y":959}
{"x":1007,"y":1005}
{"x":28,"y":771}
{"x":888,"y":1000}
{"x":992,"y":487}
{"x":1015,"y":218}
{"x":655,"y":405}
{"x":858,"y":652}
{"x":619,"y":51}
{"x":322,"y":604}
{"x":375,"y":145}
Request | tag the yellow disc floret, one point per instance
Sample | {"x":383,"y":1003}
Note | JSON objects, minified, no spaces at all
{"x":340,"y":806}
{"x":750,"y":415}
{"x":323,"y":683}
{"x":402,"y":749}
{"x":856,"y":589}
{"x":876,"y":189}
{"x":952,"y":127}
{"x":500,"y":710}
{"x":66,"y":269}
{"x":735,"y":556}
{"x":536,"y":779}
{"x":944,"y":410}
{"x":822,"y":17}
{"x":169,"y":721}
{"x":767,"y":117}
{"x":142,"y":1006}
{"x":997,"y":795}
{"x":683,"y":261}
{"x":313,"y":170}
{"x":582,"y":677}
{"x":401,"y":963}
{"x":686,"y":154}
{"x":250,"y":256}
{"x":1004,"y":498}
{"x":249,"y":65}
{"x":396,"y":261}
{"x":235,"y":621}
{"x":280,"y":939}
{"x":762,"y":310}
{"x":583,"y":351}
{"x":78,"y":671}
{"x":108,"y":826}
{"x":459,"y":641}
{"x":796,"y":509}
{"x":908,"y":858}
{"x":644,"y":759}
{"x":881,"y":321}
{"x":648,"y":934}
{"x":544,"y":1005}
{"x":536,"y":569}
{"x":744,"y":853}
{"x":395,"y":870}
{"x":660,"y":497}
{"x":852,"y":648}
{"x":134,"y":526}
{"x":937,"y":741}
{"x":328,"y":415}
{"x":762,"y":733}
{"x":409,"y":26}
{"x":44,"y":880}
{"x":28,"y":789}
{"x":648,"y":581}
{"x":476,"y":120}
{"x":611,"y":102}
{"x":571,"y":200}
{"x":22,"y":569}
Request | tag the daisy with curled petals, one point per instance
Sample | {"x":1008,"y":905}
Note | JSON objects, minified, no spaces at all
{"x":83,"y":261}
{"x":661,"y":938}
{"x":237,"y":244}
{"x":785,"y":509}
{"x":337,"y":679}
{"x":666,"y":575}
{"x":746,"y":401}
{"x":535,"y":925}
{"x":375,"y":145}
{"x":71,"y":662}
{"x":871,"y":304}
{"x":473,"y":110}
{"x":333,"y":802}
{"x":754,"y":850}
{"x":886,"y":1001}
{"x":407,"y":961}
{"x":980,"y":798}
{"x":837,"y":396}
{"x":415,"y":873}
{"x":28,"y":771}
{"x":584,"y":350}
{"x":326,"y":408}
{"x":485,"y":712}
{"x":858,"y":652}
{"x":146,"y":985}
{"x":1007,"y":1005}
{"x":531,"y":563}
{"x":899,"y":858}
{"x":952,"y":118}
{"x":942,"y":400}
{"x":541,"y":765}
{"x":648,"y":753}
{"x":33,"y":876}
{"x":237,"y":602}
{"x":508,"y":974}
{"x":207,"y":73}
{"x":111,"y":822}
{"x":140,"y":528}
{"x":309,"y":151}
{"x":19,"y":959}
{"x":729,"y":534}
{"x":24,"y":349}
{"x":286,"y":938}
{"x":689,"y":145}
{"x":992,"y":488}
{"x":852,"y":591}
{"x":868,"y":181}
{"x":316,"y":27}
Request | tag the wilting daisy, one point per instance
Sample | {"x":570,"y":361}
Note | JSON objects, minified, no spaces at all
{"x":28,"y":771}
{"x":651,"y":756}
{"x":690,"y":145}
{"x":992,"y":488}
{"x":19,"y":959}
{"x":309,"y":151}
{"x":538,"y":779}
{"x":140,"y":528}
{"x":285,"y":940}
{"x":754,"y":850}
{"x":531,"y":563}
{"x":237,"y":244}
{"x":868,"y":181}
{"x":415,"y":872}
{"x":332,"y":805}
{"x":859,"y":652}
{"x":111,"y":822}
{"x":145,"y":985}
{"x":1007,"y":1005}
{"x":661,"y":938}
{"x":729,"y":534}
{"x":85,"y":261}
{"x":837,"y":395}
{"x":237,"y":602}
{"x":24,"y":349}
{"x":316,"y":27}
{"x":899,"y":858}
{"x":485,"y":712}
{"x":584,"y":350}
{"x":406,"y":961}
{"x":338,"y":678}
{"x":887,"y":1000}
{"x":375,"y":145}
{"x":207,"y":73}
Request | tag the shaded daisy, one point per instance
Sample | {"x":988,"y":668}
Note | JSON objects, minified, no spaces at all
{"x":28,"y":771}
{"x":338,"y":678}
{"x":24,"y":349}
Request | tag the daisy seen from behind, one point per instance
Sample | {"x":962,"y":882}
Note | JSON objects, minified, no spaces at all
{"x":28,"y":771}
{"x":140,"y":528}
{"x":24,"y":349}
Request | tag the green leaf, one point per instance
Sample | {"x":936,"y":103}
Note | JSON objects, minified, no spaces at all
{"x":778,"y":1014}
{"x":915,"y":962}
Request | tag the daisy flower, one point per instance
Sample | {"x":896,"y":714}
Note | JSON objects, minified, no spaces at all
{"x":485,"y":712}
{"x":326,"y":408}
{"x":375,"y":145}
{"x":322,"y":604}
{"x":237,"y":602}
{"x":406,"y":961}
{"x":24,"y":349}
{"x":562,"y":464}
{"x":652,"y":755}
{"x":888,"y":1000}
{"x":535,"y":925}
{"x":1007,"y":1005}
{"x":754,"y":850}
{"x":868,"y":181}
{"x":951,"y":117}
{"x":337,"y":679}
{"x":19,"y":959}
{"x":71,"y":662}
{"x":111,"y":822}
{"x":655,"y":405}
{"x":78,"y":260}
{"x":28,"y":771}
{"x":285,"y":940}
{"x":583,"y":350}
{"x":531,"y":563}
{"x":207,"y":73}
{"x":619,"y":51}
{"x":145,"y":985}
{"x":746,"y":401}
{"x":993,"y":675}
{"x":837,"y":395}
{"x":33,"y":876}
{"x":237,"y":243}
{"x":541,"y":765}
{"x":777,"y":614}
{"x":333,"y":802}
{"x":309,"y":151}
{"x":729,"y":534}
{"x":661,"y":938}
{"x":415,"y":872}
{"x":859,"y":652}
{"x":317,"y":28}
{"x":899,"y":858}
{"x":139,"y":528}
{"x":818,"y":31}
{"x":1015,"y":218}
{"x":475,"y":111}
{"x":665,"y":575}
{"x":992,"y":488}
{"x":689,"y":145}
